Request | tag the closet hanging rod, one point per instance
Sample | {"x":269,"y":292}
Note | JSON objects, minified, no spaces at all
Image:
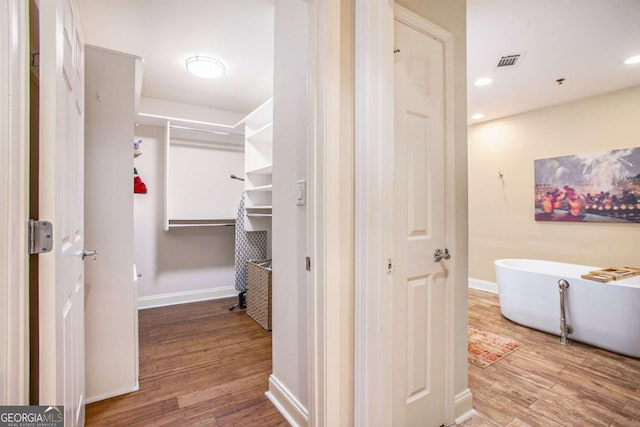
{"x":202,"y":130}
{"x":178,"y":223}
{"x":230,"y":224}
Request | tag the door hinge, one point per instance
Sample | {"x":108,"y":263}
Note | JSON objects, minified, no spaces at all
{"x":391,"y":266}
{"x":35,"y":59}
{"x":40,"y":237}
{"x":308,"y":263}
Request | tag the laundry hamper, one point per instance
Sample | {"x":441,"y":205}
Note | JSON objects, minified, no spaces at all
{"x":259,"y":292}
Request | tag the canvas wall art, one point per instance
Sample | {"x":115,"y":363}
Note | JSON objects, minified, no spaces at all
{"x":595,"y":187}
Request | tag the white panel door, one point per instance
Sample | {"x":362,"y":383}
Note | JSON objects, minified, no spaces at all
{"x":419,"y":228}
{"x":61,"y":202}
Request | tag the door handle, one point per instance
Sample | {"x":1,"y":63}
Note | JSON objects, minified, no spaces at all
{"x":439,"y":254}
{"x":90,"y":252}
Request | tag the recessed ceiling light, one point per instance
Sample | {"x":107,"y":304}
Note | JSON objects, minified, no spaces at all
{"x":483,"y":81}
{"x":632,"y":60}
{"x":477,"y":116}
{"x":205,"y":67}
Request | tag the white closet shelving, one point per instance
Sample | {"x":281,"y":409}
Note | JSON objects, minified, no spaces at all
{"x":198,"y":163}
{"x":266,"y":187}
{"x":258,"y":165}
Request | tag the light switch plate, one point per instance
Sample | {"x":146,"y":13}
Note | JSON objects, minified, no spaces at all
{"x":301,"y":192}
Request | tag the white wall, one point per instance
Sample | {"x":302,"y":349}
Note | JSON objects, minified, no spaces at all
{"x":501,"y":212}
{"x":290,"y":133}
{"x":152,"y":107}
{"x":194,"y":263}
{"x":199,"y":180}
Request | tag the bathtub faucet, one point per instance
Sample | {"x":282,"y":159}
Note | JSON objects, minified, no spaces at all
{"x":565,"y":329}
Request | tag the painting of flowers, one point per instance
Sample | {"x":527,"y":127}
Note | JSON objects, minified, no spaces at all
{"x":594,"y":187}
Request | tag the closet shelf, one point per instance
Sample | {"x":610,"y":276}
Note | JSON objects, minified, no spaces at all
{"x":181,"y":223}
{"x":265,"y":170}
{"x":261,"y":188}
{"x":263,"y":134}
{"x":200,"y":225}
{"x":258,"y":168}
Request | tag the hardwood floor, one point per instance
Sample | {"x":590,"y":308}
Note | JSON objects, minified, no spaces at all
{"x":546,"y":384}
{"x":200,"y":365}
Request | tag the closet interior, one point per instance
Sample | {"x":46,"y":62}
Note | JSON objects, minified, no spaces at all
{"x":182,"y":191}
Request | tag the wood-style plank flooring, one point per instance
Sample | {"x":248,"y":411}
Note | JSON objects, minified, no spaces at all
{"x":546,"y":384}
{"x":200,"y":365}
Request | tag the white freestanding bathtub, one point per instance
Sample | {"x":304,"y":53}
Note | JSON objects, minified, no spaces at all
{"x":605,"y":315}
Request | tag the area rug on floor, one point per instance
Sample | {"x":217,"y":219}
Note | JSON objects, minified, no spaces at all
{"x":486,"y":348}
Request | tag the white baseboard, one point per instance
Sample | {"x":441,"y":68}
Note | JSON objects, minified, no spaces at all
{"x":463,"y":409}
{"x":104,"y":396}
{"x":483,"y":285}
{"x":162,"y":300}
{"x":290,"y":408}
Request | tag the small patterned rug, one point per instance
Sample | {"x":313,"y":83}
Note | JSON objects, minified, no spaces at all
{"x":486,"y":348}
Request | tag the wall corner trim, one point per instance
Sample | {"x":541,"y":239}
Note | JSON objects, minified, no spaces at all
{"x":463,"y":409}
{"x":290,"y":407}
{"x":162,"y":300}
{"x":109,"y":395}
{"x":483,"y":285}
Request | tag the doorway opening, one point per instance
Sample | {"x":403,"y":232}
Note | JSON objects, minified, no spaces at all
{"x":183,"y":234}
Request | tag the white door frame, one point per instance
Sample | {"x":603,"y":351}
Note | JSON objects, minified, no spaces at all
{"x":330,"y":217}
{"x":374,"y":133}
{"x":14,"y":197}
{"x":374,"y":189}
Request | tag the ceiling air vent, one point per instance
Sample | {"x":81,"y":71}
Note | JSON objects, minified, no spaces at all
{"x":509,"y":60}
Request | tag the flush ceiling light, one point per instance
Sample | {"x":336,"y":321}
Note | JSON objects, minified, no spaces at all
{"x":477,"y":116}
{"x":483,"y":81}
{"x":632,"y":60}
{"x":205,"y":67}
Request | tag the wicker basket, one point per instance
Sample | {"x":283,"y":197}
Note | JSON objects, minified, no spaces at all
{"x":259,"y":293}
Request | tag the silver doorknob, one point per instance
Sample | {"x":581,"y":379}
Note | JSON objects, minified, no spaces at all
{"x":439,"y":254}
{"x":90,"y":252}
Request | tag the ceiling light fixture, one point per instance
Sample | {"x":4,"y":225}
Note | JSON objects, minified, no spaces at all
{"x":483,"y":81}
{"x":477,"y":116}
{"x":205,"y":67}
{"x":632,"y":60}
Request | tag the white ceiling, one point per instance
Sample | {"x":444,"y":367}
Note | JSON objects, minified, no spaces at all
{"x":582,"y":41}
{"x":166,"y":32}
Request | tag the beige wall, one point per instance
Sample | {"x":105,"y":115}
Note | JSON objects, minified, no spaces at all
{"x":451,"y":15}
{"x":501,"y":213}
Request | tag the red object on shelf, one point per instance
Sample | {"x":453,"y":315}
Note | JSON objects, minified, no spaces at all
{"x":139,"y":187}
